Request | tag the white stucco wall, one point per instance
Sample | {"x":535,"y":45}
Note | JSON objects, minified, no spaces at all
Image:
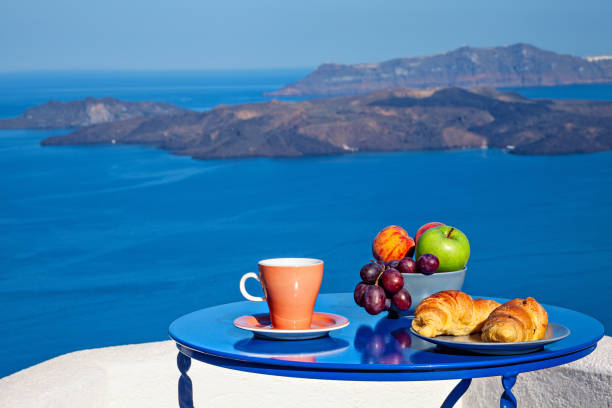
{"x":145,"y":375}
{"x":585,"y":383}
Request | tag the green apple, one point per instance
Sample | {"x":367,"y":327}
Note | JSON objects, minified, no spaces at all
{"x":450,"y":245}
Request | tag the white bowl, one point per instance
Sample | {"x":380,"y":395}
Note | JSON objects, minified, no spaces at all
{"x":421,"y":286}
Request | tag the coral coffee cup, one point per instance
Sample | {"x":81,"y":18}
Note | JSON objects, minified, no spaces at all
{"x":290,"y":287}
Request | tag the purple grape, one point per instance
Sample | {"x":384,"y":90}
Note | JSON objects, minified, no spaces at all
{"x":369,"y":272}
{"x":393,"y":264}
{"x":428,"y":264}
{"x":392,"y":280}
{"x":402,"y":300}
{"x":374,"y":299}
{"x":359,"y":292}
{"x":407,"y":265}
{"x":387,"y":304}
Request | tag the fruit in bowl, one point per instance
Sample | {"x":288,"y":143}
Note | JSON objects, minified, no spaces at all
{"x":397,"y":283}
{"x":448,"y":244}
{"x":407,"y":265}
{"x":392,"y":244}
{"x":424,"y":228}
{"x":428,"y":264}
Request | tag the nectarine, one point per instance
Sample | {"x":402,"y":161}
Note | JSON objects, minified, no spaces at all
{"x":392,"y":243}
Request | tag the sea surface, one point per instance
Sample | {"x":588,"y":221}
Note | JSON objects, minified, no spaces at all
{"x":107,"y":245}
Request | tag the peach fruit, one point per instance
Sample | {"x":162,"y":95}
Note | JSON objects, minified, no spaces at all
{"x":392,"y":243}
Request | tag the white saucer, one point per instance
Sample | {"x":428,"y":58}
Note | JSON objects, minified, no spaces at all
{"x":260,"y":326}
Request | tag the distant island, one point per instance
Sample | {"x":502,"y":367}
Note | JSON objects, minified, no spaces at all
{"x":89,"y":111}
{"x":510,"y":66}
{"x":389,"y":120}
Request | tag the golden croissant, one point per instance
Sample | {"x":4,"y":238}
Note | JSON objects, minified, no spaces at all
{"x":451,"y":312}
{"x":516,"y":320}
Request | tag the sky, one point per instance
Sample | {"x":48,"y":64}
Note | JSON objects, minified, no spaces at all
{"x":251,"y":34}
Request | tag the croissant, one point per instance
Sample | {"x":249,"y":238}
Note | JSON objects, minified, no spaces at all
{"x":516,"y":320}
{"x":451,"y":312}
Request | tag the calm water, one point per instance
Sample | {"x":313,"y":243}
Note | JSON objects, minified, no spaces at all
{"x":107,"y":245}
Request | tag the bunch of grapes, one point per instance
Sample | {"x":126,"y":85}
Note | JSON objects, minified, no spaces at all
{"x":382,"y":283}
{"x":381,"y":287}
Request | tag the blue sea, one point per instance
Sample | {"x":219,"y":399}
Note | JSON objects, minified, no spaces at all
{"x":107,"y":245}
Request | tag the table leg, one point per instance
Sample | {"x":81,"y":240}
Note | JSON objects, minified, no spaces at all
{"x":185,"y":390}
{"x":456,"y":393}
{"x":508,"y":400}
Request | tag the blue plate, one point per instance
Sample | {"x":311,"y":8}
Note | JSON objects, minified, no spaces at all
{"x":473,"y":344}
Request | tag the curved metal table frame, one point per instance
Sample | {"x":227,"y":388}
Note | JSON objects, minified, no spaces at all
{"x":467,"y":368}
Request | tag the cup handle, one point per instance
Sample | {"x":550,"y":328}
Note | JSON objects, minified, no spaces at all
{"x":243,"y":288}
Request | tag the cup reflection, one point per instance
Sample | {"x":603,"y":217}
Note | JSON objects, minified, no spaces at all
{"x":302,"y":351}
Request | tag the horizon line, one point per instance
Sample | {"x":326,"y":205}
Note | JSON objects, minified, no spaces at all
{"x":152,"y":70}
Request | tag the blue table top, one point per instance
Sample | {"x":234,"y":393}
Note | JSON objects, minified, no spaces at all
{"x":368,"y":343}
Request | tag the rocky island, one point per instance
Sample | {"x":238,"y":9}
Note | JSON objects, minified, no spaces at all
{"x":89,"y":111}
{"x":510,"y":66}
{"x":389,"y":120}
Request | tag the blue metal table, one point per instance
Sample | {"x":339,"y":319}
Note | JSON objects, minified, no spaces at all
{"x":371,"y":348}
